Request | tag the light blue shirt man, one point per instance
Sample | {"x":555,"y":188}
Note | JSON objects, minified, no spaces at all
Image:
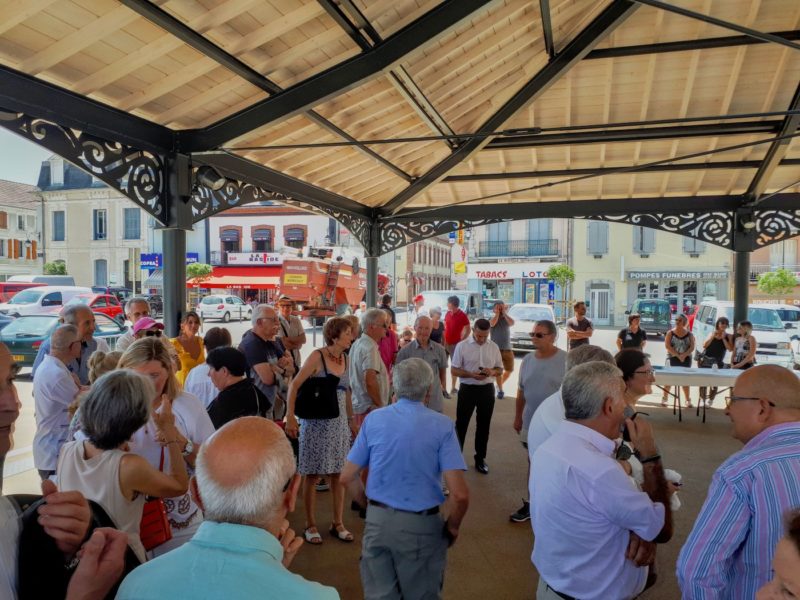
{"x":80,"y":366}
{"x":221,"y":561}
{"x":407,"y":446}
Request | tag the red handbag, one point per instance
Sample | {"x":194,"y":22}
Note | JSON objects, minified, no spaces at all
{"x":155,"y":529}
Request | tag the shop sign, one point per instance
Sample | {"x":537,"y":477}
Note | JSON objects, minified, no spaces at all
{"x":677,"y":275}
{"x":255,"y":258}
{"x":508,"y":271}
{"x":151,"y":261}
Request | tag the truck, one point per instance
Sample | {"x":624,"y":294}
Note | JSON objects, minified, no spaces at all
{"x":323,"y":287}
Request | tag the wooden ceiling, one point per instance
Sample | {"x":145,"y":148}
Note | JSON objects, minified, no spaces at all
{"x":470,"y":73}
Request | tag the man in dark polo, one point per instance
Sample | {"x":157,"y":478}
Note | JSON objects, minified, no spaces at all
{"x":405,"y":538}
{"x":579,"y":328}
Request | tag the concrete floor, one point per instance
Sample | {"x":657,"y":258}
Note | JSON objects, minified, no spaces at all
{"x":492,"y":556}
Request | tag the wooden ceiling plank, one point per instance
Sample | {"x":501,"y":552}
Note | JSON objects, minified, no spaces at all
{"x":275,"y":29}
{"x":19,"y":11}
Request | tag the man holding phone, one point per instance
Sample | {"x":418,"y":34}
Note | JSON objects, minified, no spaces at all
{"x":477,"y":361}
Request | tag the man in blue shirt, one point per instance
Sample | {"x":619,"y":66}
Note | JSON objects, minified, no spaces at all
{"x":246,"y":484}
{"x":407,"y":447}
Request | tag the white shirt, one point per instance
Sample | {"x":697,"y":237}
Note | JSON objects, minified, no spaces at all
{"x":469,"y":355}
{"x":583,"y":507}
{"x":545,"y":421}
{"x":292,"y":327}
{"x":54,"y":389}
{"x":198,"y":383}
{"x":125,"y":340}
{"x":9,"y":540}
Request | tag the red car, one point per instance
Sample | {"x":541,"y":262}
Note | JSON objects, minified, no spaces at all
{"x":102,"y":303}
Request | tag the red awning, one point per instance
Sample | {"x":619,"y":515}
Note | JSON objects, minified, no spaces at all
{"x":252,"y":278}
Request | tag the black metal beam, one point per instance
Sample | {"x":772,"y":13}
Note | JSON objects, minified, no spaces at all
{"x":21,"y":93}
{"x":777,"y":150}
{"x":635,"y":134}
{"x":766,"y":37}
{"x":336,"y":80}
{"x":335,"y":12}
{"x":601,"y":26}
{"x":600,"y":171}
{"x":687,"y":45}
{"x":208,"y":48}
{"x":237,"y":167}
{"x":547,"y":28}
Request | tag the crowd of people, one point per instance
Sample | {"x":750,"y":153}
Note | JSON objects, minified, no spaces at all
{"x":185,"y":455}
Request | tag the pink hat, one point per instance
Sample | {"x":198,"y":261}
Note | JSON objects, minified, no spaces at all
{"x":146,"y":323}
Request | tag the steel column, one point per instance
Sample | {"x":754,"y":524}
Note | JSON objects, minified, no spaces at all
{"x":373,"y":251}
{"x":741,"y":285}
{"x":179,"y":212}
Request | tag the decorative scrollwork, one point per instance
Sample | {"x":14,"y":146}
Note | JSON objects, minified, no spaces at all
{"x":206,"y":202}
{"x":773,"y":226}
{"x":396,"y":234}
{"x":136,"y":173}
{"x":716,"y":227}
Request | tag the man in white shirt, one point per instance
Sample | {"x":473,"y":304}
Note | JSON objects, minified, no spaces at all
{"x":477,"y":361}
{"x":136,"y":308}
{"x":291,"y":331}
{"x":550,"y":413}
{"x":595,"y":533}
{"x":54,"y":389}
{"x":419,"y":310}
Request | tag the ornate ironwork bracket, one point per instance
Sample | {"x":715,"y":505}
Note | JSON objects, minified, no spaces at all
{"x":773,"y":226}
{"x":206,"y":202}
{"x":398,"y":233}
{"x":136,"y":173}
{"x":715,"y":227}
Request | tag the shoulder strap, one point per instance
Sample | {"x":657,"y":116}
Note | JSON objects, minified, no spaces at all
{"x":161,"y":462}
{"x":324,"y":365}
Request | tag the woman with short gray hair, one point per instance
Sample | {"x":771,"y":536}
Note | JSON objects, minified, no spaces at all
{"x":101,"y":467}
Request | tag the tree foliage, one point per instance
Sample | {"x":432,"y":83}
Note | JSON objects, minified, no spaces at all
{"x":57,"y":267}
{"x":199,"y":271}
{"x":563,"y":275}
{"x":777,"y":282}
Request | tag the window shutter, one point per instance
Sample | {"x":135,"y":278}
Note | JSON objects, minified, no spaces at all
{"x":637,"y":240}
{"x":648,"y":240}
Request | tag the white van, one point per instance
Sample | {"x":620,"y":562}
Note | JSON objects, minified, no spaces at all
{"x":774,"y":345}
{"x":39,"y":300}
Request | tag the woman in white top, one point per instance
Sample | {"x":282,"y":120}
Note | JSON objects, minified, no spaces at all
{"x":150,"y":358}
{"x":102,"y":469}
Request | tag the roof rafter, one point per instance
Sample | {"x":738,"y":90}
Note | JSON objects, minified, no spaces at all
{"x":208,"y":48}
{"x":601,"y":26}
{"x":336,"y":80}
{"x":777,"y":150}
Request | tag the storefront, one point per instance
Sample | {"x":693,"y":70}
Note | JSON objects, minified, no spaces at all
{"x":512,"y":282}
{"x":683,"y":289}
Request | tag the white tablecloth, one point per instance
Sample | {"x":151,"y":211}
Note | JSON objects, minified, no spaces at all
{"x":696,"y":377}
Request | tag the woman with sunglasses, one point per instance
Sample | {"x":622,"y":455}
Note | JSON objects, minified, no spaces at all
{"x":9,"y":404}
{"x":716,"y":346}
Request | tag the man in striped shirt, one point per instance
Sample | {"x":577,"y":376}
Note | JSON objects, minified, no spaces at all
{"x":729,"y":552}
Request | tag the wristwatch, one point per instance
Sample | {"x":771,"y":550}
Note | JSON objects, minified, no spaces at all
{"x":188,"y":448}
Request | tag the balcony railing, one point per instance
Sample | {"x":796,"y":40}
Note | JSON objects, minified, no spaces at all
{"x":519,"y":248}
{"x":757,"y":269}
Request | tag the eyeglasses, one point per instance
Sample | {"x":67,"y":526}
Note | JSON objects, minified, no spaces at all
{"x":156,"y":333}
{"x":645,"y":372}
{"x":540,"y":335}
{"x":731,"y":399}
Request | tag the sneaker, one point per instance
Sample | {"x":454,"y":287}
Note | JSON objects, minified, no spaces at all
{"x":322,"y":485}
{"x":501,"y":394}
{"x":523,"y":514}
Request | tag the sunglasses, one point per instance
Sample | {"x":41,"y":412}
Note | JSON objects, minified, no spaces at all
{"x":156,"y":333}
{"x":540,"y":335}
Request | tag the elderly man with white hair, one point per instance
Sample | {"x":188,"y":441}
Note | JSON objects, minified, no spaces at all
{"x":246,"y":484}
{"x":369,"y":379}
{"x":136,"y":308}
{"x":407,"y":448}
{"x":595,"y":533}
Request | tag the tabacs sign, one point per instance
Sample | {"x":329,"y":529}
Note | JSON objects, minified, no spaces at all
{"x":508,"y":271}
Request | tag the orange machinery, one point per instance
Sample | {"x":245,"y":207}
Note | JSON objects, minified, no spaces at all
{"x":322,"y":286}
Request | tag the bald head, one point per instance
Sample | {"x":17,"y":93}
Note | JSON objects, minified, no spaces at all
{"x":242,"y":472}
{"x":63,"y":337}
{"x":772,"y":382}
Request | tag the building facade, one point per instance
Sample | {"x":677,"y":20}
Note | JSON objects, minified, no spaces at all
{"x":20,"y":229}
{"x":508,"y":261}
{"x":418,"y":267}
{"x":616,"y":263}
{"x":782,"y":255}
{"x":94,"y":229}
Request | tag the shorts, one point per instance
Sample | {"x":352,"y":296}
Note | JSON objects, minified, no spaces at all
{"x":674,"y":361}
{"x":508,"y":360}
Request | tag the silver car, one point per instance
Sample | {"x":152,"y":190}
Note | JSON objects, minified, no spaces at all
{"x":224,"y":307}
{"x":525,"y":315}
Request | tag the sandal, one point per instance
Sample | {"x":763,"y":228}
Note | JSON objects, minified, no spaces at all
{"x":664,"y":401}
{"x":312,"y":537}
{"x":341,"y":534}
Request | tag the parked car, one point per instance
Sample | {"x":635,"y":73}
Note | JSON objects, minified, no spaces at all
{"x":790,"y":317}
{"x":44,"y":279}
{"x":24,"y":335}
{"x":656,"y":314}
{"x":122,"y":293}
{"x":40,"y":300}
{"x":224,"y":307}
{"x":103,"y":303}
{"x":156,"y":303}
{"x":470,"y":302}
{"x":5,"y":320}
{"x":774,"y":345}
{"x":525,"y":315}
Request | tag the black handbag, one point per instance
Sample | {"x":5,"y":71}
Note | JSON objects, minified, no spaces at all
{"x":317,"y":398}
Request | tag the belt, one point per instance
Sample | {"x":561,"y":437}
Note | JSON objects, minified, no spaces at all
{"x":434,"y":510}
{"x":559,"y":594}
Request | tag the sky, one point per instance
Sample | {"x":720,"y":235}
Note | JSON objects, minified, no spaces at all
{"x":20,"y":159}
